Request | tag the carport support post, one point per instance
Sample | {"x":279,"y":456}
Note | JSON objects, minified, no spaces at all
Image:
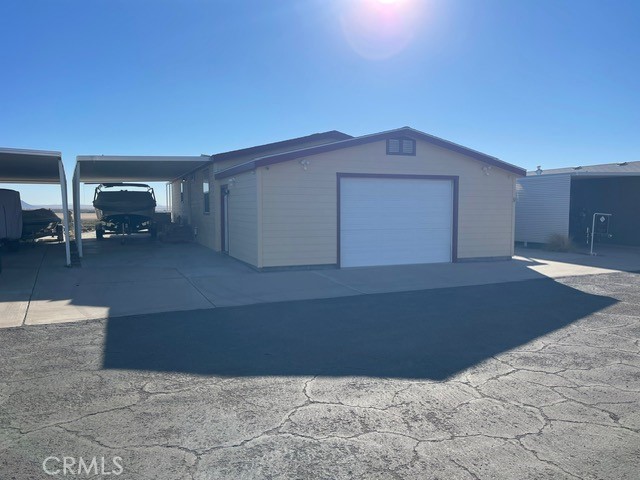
{"x":77,"y":209}
{"x":65,"y":210}
{"x":593,"y":227}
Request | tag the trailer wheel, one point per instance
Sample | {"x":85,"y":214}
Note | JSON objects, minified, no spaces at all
{"x":99,"y":233}
{"x":153,"y":231}
{"x":60,"y":233}
{"x":13,"y":245}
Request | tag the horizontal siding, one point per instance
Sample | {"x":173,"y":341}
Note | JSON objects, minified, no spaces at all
{"x":243,"y":218}
{"x":300,"y":257}
{"x":191,"y":209}
{"x":204,"y":222}
{"x":542,"y":207}
{"x":299,"y":208}
{"x":179,"y":209}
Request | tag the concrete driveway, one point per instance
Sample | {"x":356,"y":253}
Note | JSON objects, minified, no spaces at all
{"x":143,"y":276}
{"x":521,"y":380}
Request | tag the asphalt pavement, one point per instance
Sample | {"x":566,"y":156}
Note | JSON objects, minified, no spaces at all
{"x":531,"y":379}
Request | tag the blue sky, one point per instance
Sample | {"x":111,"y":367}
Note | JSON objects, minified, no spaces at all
{"x":548,"y":83}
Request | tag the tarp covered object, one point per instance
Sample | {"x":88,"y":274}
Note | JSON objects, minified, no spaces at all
{"x":10,"y":215}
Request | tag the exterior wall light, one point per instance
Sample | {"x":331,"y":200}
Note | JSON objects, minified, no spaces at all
{"x":305,"y":164}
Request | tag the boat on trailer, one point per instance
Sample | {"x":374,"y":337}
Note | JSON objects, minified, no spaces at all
{"x":41,"y":222}
{"x":124,"y":208}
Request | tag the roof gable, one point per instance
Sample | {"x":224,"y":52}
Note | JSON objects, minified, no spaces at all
{"x":355,"y":141}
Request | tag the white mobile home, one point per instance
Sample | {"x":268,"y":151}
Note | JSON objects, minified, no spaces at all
{"x":562,"y":202}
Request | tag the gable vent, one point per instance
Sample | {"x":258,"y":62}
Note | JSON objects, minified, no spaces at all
{"x":401,"y":146}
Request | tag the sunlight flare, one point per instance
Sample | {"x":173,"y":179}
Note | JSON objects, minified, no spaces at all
{"x":380,"y":29}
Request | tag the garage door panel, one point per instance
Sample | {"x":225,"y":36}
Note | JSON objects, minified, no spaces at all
{"x":389,"y":213}
{"x":387,"y":248}
{"x":435,"y":220}
{"x":386,"y":221}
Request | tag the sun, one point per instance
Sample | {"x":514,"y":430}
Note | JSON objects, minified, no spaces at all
{"x":380,"y":29}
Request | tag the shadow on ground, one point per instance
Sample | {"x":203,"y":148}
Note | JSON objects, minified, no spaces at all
{"x":430,"y":334}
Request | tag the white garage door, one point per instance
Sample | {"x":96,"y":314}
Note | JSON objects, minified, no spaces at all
{"x":392,"y":221}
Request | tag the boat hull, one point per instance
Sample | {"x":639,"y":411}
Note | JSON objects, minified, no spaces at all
{"x":125,"y":210}
{"x":39,"y":223}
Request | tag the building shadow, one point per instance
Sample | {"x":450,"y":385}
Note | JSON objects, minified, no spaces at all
{"x":429,"y":334}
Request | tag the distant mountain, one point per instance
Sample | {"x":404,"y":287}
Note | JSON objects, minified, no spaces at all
{"x":28,"y":206}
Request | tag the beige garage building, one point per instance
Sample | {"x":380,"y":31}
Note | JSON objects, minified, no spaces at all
{"x":329,"y":199}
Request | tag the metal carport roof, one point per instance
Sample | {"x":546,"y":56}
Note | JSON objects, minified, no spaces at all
{"x":121,"y":168}
{"x":41,"y":167}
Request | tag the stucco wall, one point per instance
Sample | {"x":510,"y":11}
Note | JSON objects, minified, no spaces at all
{"x":299,"y":208}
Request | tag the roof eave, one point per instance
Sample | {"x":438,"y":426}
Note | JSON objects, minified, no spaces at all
{"x":332,"y":134}
{"x":38,"y":153}
{"x":315,"y":150}
{"x":235,"y":170}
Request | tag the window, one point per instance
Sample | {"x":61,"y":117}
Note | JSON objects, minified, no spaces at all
{"x":205,"y":192}
{"x":401,"y":146}
{"x":182,"y":191}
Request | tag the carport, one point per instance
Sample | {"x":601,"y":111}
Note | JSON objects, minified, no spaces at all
{"x":615,"y":194}
{"x":103,"y":168}
{"x":37,"y":167}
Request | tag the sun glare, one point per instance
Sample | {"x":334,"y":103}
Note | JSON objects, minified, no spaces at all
{"x":380,"y":29}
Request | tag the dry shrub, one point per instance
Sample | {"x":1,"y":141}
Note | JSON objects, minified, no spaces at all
{"x":560,"y":243}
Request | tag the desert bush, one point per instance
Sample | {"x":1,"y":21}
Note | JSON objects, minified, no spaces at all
{"x":560,"y":243}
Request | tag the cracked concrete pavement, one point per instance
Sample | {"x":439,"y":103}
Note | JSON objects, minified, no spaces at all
{"x":564,"y":403}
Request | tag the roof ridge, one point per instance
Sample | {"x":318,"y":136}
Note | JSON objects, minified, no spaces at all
{"x":241,"y":151}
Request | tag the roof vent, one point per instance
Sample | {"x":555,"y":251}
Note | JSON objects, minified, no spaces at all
{"x":401,"y":146}
{"x":623,"y":164}
{"x":577,"y":168}
{"x":539,"y":170}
